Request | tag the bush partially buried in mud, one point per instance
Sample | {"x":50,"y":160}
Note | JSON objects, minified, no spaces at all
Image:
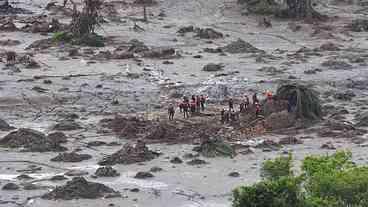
{"x":31,"y":140}
{"x":80,"y":188}
{"x":330,"y":180}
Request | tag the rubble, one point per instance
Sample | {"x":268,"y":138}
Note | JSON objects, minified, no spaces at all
{"x":80,"y":188}
{"x":130,"y":154}
{"x":215,"y":147}
{"x":106,"y":171}
{"x":279,"y":120}
{"x":31,"y":140}
{"x":71,"y":157}
{"x":240,"y":46}
{"x":143,"y":175}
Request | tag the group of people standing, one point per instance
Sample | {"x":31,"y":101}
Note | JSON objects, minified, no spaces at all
{"x":195,"y":105}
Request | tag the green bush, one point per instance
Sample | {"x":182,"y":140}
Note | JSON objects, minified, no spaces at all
{"x":325,"y":181}
{"x":277,"y":168}
{"x":61,"y":37}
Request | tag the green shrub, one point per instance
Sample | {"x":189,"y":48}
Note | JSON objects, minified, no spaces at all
{"x":61,"y":37}
{"x":279,"y":167}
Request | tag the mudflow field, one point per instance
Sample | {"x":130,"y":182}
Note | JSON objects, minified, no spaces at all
{"x":68,"y":113}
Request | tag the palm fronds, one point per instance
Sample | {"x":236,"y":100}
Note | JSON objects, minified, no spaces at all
{"x":305,"y":100}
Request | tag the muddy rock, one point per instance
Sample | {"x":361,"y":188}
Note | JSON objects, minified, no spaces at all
{"x":176,"y":160}
{"x":67,"y":125}
{"x":208,"y":33}
{"x":71,"y":157}
{"x":31,"y":186}
{"x":329,"y":46}
{"x":290,"y":141}
{"x":156,"y":169}
{"x":80,"y":188}
{"x":130,"y":154}
{"x":58,"y":137}
{"x":197,"y":162}
{"x":58,"y":178}
{"x":214,"y":147}
{"x":160,"y":53}
{"x":344,"y":96}
{"x":240,"y":46}
{"x":75,"y":173}
{"x":107,"y":171}
{"x":31,"y":140}
{"x":234,"y":174}
{"x":24,"y":177}
{"x":126,"y":127}
{"x":4,"y":126}
{"x":10,"y":186}
{"x":212,"y":67}
{"x":143,"y":175}
{"x":337,"y":65}
{"x":183,"y":30}
{"x":328,"y":145}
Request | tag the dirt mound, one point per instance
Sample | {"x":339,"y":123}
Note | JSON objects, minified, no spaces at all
{"x":78,"y":188}
{"x":126,"y":127}
{"x":214,"y":148}
{"x":130,"y":154}
{"x":4,"y":126}
{"x":208,"y":33}
{"x":71,"y":157}
{"x":31,"y":140}
{"x":241,"y":46}
{"x":106,"y":172}
{"x":67,"y":125}
{"x":279,"y":120}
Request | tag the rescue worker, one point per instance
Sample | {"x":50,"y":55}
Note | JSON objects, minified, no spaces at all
{"x":255,"y":99}
{"x":198,"y":103}
{"x":186,"y":109}
{"x":269,"y":95}
{"x":203,"y":101}
{"x":223,"y":116}
{"x":193,"y":106}
{"x":246,"y":102}
{"x":171,"y":112}
{"x":258,"y":109}
{"x":231,"y":104}
{"x":242,"y":107}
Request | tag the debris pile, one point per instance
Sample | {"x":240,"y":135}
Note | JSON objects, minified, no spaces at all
{"x":78,"y":188}
{"x":215,"y":147}
{"x":106,"y":171}
{"x":130,"y":154}
{"x":126,"y":127}
{"x":31,"y":140}
{"x":279,"y":120}
{"x":241,"y":46}
{"x":71,"y":157}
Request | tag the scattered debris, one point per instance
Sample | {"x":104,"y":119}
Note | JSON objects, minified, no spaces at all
{"x":107,"y":171}
{"x":215,"y":147}
{"x":240,"y":46}
{"x":78,"y":188}
{"x":71,"y":157}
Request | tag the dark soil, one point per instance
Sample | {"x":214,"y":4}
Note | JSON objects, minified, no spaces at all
{"x":80,"y":188}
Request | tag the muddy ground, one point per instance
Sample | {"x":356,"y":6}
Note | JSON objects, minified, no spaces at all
{"x":91,"y":86}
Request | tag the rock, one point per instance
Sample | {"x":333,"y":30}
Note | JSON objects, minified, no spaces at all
{"x":156,"y":169}
{"x":312,"y":71}
{"x":71,"y":157}
{"x":183,"y":30}
{"x":80,"y":188}
{"x":290,"y":140}
{"x":337,"y":65}
{"x":359,"y":25}
{"x":234,"y":174}
{"x":31,"y":140}
{"x":240,"y":46}
{"x":134,"y":190}
{"x":9,"y":42}
{"x":40,"y":89}
{"x":208,"y":33}
{"x":73,"y":52}
{"x":344,"y":96}
{"x":58,"y":178}
{"x":58,"y":137}
{"x":328,"y":145}
{"x":279,"y":120}
{"x":4,"y":126}
{"x":47,"y":81}
{"x":67,"y":125}
{"x":160,"y":53}
{"x":107,"y":171}
{"x":74,"y":173}
{"x":130,"y":154}
{"x":10,"y":186}
{"x":329,"y":46}
{"x":143,"y":175}
{"x":96,"y":143}
{"x":137,"y":46}
{"x":212,"y":50}
{"x":176,"y":160}
{"x":197,"y":162}
{"x":212,"y":67}
{"x":24,"y":177}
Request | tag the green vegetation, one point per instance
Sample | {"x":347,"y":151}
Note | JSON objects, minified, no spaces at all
{"x":325,"y":181}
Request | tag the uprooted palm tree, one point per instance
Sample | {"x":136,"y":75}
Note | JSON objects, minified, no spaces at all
{"x":85,"y":22}
{"x":303,"y":98}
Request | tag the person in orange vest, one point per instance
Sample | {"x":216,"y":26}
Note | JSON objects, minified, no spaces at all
{"x":269,"y":95}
